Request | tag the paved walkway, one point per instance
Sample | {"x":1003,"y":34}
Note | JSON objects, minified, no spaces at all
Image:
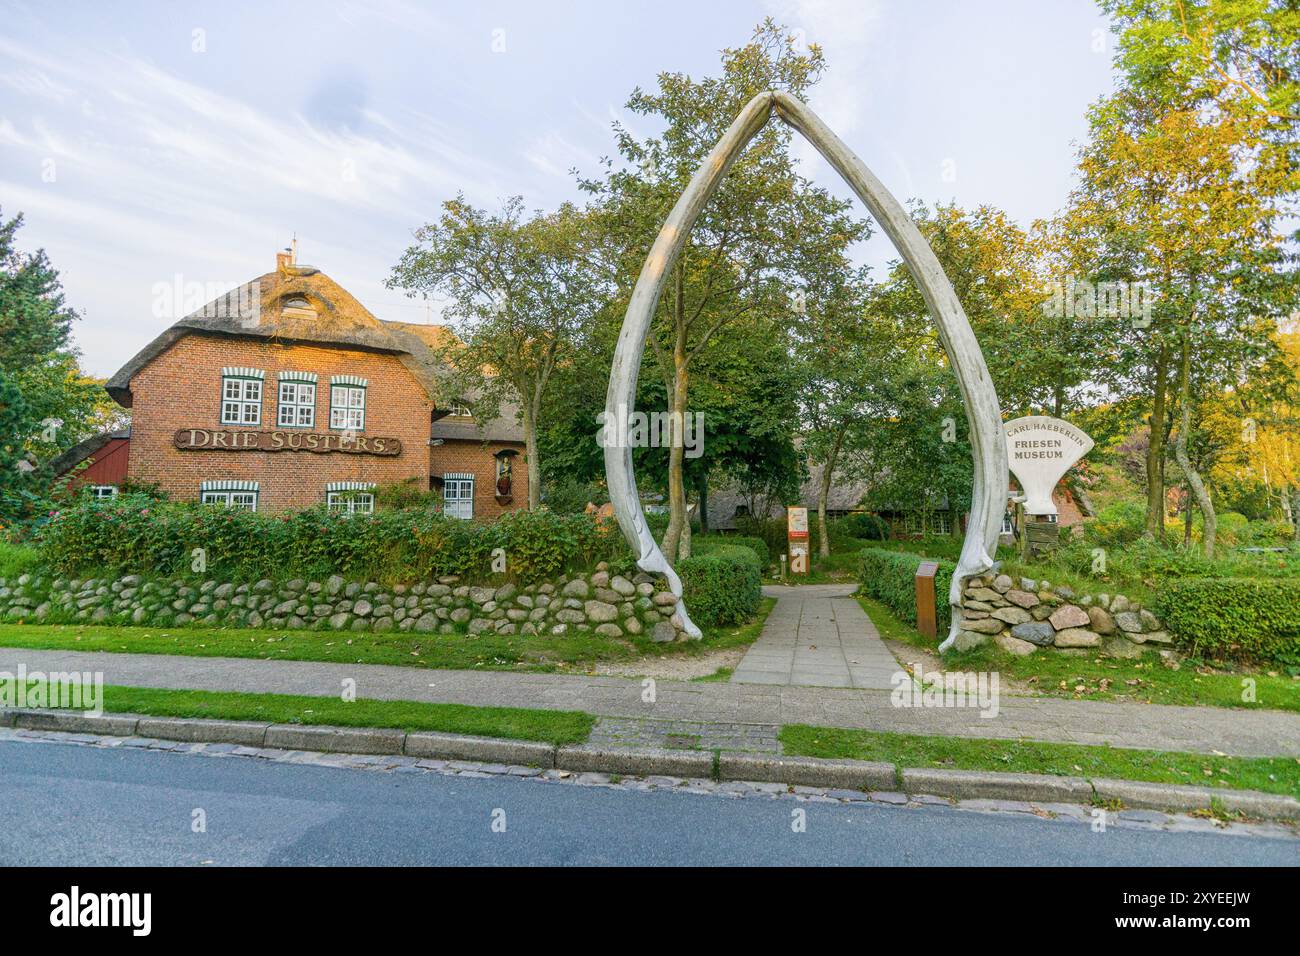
{"x":818,"y":636}
{"x":1146,"y":726}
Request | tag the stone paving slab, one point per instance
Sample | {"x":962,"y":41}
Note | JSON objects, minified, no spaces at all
{"x":1143,"y":726}
{"x":817,"y":636}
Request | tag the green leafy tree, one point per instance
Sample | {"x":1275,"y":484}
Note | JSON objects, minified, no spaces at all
{"x":1171,"y":201}
{"x":48,"y":404}
{"x":524,"y":292}
{"x":765,"y":225}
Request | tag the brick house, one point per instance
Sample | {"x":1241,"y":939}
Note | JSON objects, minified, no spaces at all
{"x":287,"y":392}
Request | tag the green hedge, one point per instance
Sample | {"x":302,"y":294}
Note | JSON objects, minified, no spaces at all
{"x":135,"y":534}
{"x":890,"y":578}
{"x":707,"y":544}
{"x":1243,"y":618}
{"x":723,"y":586}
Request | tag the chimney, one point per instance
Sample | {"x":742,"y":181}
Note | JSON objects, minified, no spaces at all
{"x":283,"y":260}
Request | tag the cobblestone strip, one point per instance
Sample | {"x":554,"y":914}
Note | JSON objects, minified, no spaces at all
{"x":1063,"y":813}
{"x":685,"y":735}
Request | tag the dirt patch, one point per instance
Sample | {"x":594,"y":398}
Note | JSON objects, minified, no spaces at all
{"x":909,"y":655}
{"x":672,"y":667}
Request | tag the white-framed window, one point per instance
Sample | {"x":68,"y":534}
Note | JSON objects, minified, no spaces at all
{"x":459,"y":410}
{"x":350,"y":497}
{"x":350,"y":502}
{"x":241,"y":396}
{"x":230,"y":494}
{"x":1050,"y":519}
{"x":231,"y":499}
{"x":297,"y":403}
{"x":1008,"y":523}
{"x":103,"y":492}
{"x":348,"y":402}
{"x":914,"y":522}
{"x":941,"y":523}
{"x":458,"y":496}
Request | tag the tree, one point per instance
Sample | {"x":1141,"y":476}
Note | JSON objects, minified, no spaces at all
{"x":47,"y":404}
{"x":1270,"y":432}
{"x":765,"y":226}
{"x":1173,"y":202}
{"x":843,"y":354}
{"x":524,"y":291}
{"x":1241,"y":56}
{"x":34,"y":319}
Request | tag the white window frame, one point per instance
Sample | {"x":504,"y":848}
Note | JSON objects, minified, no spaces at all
{"x":460,"y":504}
{"x":941,"y":522}
{"x":297,"y":397}
{"x":241,"y":400}
{"x":459,"y":410}
{"x":230,"y":499}
{"x":1008,"y":523}
{"x":103,"y":492}
{"x":350,"y":502}
{"x":349,"y":414}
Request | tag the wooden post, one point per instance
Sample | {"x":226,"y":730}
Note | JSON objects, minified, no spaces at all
{"x":926,"y":607}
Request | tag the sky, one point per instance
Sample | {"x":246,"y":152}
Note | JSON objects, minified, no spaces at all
{"x":161,"y":153}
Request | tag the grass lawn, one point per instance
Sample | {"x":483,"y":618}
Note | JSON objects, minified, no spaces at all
{"x":1269,"y":774}
{"x":528,"y":652}
{"x":1144,"y":680}
{"x":551,"y":726}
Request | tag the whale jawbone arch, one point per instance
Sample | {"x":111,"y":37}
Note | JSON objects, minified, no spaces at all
{"x":983,"y":414}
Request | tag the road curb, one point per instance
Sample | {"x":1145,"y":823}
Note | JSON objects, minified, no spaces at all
{"x":644,"y":761}
{"x":245,"y":733}
{"x":74,"y":722}
{"x":339,"y":740}
{"x":1163,"y":796}
{"x":525,"y":753}
{"x":989,"y":785}
{"x":585,"y":758}
{"x":808,"y":771}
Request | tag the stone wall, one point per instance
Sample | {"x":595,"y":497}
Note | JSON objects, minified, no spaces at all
{"x":605,"y":604}
{"x":1022,"y":615}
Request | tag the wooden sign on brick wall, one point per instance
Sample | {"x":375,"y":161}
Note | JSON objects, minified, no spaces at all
{"x":209,"y":439}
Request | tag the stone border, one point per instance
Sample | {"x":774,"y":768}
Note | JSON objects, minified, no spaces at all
{"x":857,"y":775}
{"x":1021,"y":615}
{"x":598,"y":601}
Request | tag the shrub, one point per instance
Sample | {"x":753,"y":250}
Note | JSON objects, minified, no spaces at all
{"x":706,"y":544}
{"x":1231,"y":527}
{"x":133,"y":534}
{"x":890,"y":578}
{"x":1244,"y":618}
{"x":16,"y":559}
{"x":405,"y":494}
{"x":722,"y":586}
{"x":568,"y":496}
{"x":1118,"y":524}
{"x":844,"y":533}
{"x":868,"y":527}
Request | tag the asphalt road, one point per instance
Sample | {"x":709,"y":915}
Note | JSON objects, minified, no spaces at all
{"x":73,"y":805}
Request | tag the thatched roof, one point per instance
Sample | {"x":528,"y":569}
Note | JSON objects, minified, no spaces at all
{"x":300,"y":304}
{"x":845,"y":495}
